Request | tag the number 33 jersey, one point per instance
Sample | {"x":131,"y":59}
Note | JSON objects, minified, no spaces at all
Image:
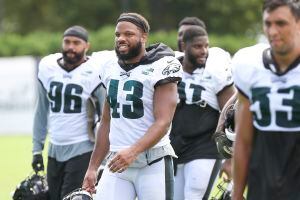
{"x":130,"y":95}
{"x":274,"y":96}
{"x":274,"y":169}
{"x":67,"y":93}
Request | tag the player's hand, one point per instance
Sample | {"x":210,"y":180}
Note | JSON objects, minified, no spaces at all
{"x":37,"y":163}
{"x":224,"y":145}
{"x":122,"y":160}
{"x":226,"y":170}
{"x":89,"y":181}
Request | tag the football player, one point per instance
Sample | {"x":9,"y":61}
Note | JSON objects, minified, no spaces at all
{"x":267,"y":146}
{"x":141,"y":99}
{"x":184,"y":24}
{"x":66,"y":80}
{"x":205,"y":87}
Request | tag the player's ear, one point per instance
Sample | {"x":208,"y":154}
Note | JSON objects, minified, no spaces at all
{"x":298,"y":26}
{"x":88,"y":45}
{"x":144,"y":37}
{"x":183,"y":45}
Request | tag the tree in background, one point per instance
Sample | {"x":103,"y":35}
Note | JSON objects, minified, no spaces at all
{"x":221,"y":16}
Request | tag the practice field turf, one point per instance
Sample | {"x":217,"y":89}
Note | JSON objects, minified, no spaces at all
{"x":15,"y":155}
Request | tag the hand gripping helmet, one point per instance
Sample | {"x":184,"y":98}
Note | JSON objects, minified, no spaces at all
{"x":34,"y":187}
{"x":229,"y":122}
{"x":78,"y":194}
{"x":224,"y":141}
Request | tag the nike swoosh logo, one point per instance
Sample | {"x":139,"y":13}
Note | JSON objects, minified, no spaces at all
{"x":169,"y":61}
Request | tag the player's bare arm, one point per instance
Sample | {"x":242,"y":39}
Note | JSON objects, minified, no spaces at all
{"x":225,"y":95}
{"x":99,"y":152}
{"x":242,"y":147}
{"x":220,"y":126}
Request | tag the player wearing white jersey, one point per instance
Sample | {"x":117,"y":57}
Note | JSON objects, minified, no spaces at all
{"x":206,"y":86}
{"x":141,"y":99}
{"x":65,"y":81}
{"x":267,"y":147}
{"x":183,"y":25}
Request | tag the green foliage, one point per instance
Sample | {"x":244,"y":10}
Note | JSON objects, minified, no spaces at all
{"x":166,"y":37}
{"x":220,"y":16}
{"x":43,"y":43}
{"x":231,"y":43}
{"x":102,"y":39}
{"x":36,"y":44}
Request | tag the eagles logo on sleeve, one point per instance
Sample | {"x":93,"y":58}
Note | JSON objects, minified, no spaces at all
{"x":171,"y":69}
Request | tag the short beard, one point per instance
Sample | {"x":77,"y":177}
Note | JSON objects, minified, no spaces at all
{"x":75,"y":59}
{"x":132,"y":53}
{"x":193,"y":60}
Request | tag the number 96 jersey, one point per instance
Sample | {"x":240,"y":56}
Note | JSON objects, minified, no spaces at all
{"x":130,"y":95}
{"x":67,"y":92}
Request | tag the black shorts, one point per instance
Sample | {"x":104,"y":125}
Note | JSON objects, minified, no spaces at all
{"x":64,"y":177}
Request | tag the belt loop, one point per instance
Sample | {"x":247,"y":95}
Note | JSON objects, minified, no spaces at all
{"x":202,"y":103}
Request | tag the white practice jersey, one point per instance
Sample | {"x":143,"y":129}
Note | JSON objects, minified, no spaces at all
{"x":273,"y":96}
{"x":130,"y":94}
{"x":67,"y":93}
{"x":203,"y":85}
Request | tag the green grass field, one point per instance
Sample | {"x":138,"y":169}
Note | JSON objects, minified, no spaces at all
{"x":15,"y":154}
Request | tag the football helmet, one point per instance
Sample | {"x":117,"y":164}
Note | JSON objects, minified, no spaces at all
{"x":34,"y":187}
{"x":78,"y":194}
{"x":224,"y":139}
{"x":229,"y":122}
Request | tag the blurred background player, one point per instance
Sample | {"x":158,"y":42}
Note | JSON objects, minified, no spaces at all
{"x":184,"y":24}
{"x":65,"y":82}
{"x":141,"y":100}
{"x":205,"y":88}
{"x":267,"y":147}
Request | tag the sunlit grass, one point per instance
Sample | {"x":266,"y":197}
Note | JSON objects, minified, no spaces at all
{"x":15,"y":155}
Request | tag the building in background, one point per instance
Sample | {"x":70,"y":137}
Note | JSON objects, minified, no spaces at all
{"x":17,"y":94}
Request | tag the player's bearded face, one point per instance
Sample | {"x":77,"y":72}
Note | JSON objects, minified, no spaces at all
{"x":194,"y":58}
{"x":197,"y":50}
{"x":134,"y":50}
{"x":72,"y":57}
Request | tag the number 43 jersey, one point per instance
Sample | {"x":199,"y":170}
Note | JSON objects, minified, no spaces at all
{"x":130,"y":95}
{"x":67,"y":93}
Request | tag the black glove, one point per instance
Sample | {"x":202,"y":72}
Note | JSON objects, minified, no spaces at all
{"x":37,"y":163}
{"x":224,"y":145}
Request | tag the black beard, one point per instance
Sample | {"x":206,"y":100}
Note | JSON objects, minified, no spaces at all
{"x":132,"y":53}
{"x":75,"y":59}
{"x":193,"y":60}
